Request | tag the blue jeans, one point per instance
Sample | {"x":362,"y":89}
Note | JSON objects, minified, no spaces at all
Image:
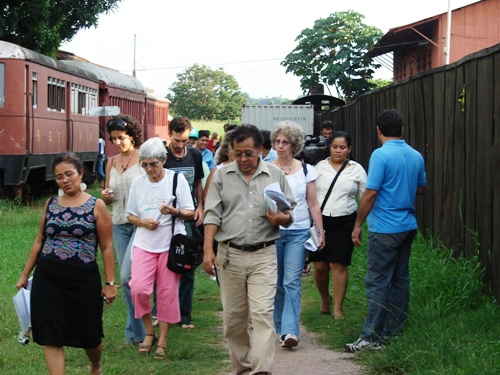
{"x":387,"y":284}
{"x":99,"y":168}
{"x":123,"y":236}
{"x":291,"y":255}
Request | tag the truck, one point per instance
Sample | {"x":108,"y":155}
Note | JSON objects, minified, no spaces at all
{"x":266,"y":116}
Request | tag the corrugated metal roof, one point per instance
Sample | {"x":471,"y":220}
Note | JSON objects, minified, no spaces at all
{"x":13,"y":51}
{"x":109,"y":76}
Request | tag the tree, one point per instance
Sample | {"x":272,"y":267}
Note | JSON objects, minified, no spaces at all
{"x":333,"y":53}
{"x":43,"y":25}
{"x":201,"y":93}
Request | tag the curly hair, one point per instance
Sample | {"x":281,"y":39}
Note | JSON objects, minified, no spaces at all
{"x":293,"y":132}
{"x":129,"y":125}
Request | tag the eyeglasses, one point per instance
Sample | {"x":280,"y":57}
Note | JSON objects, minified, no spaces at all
{"x":66,"y":176}
{"x":247,"y":154}
{"x":152,"y":164}
{"x":284,"y":143}
{"x":119,"y":123}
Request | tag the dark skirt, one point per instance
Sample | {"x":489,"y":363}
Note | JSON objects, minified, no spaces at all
{"x":339,"y":246}
{"x":66,"y":304}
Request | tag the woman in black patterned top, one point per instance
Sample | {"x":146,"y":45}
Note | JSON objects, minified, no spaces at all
{"x":67,"y":294}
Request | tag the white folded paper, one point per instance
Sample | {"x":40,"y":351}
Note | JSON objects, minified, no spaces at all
{"x":312,"y":243}
{"x":275,"y":198}
{"x":23,"y":310}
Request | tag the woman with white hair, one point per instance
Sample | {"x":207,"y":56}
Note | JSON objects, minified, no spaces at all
{"x":150,"y":194}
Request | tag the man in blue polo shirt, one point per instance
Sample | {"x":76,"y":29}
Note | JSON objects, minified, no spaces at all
{"x":396,"y":175}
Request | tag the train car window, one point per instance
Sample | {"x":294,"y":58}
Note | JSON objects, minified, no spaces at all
{"x":82,"y":99}
{"x":56,"y":92}
{"x":2,"y":84}
{"x":34,"y":80}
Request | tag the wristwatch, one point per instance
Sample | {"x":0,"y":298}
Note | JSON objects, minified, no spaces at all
{"x":321,"y":231}
{"x":111,"y":283}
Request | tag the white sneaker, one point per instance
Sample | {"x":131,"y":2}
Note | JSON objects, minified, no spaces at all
{"x":361,"y":344}
{"x":289,"y":341}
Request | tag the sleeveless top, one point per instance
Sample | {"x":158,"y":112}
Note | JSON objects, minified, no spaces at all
{"x":120,"y":184}
{"x":70,"y":233}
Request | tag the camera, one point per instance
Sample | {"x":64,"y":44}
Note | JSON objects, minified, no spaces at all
{"x":316,"y":148}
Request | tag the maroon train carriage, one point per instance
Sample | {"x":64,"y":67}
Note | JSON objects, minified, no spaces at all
{"x":115,"y":89}
{"x":156,"y":119}
{"x":44,"y":107}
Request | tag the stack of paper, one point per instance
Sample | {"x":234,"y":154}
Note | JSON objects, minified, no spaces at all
{"x":23,"y":309}
{"x":275,"y":198}
{"x":312,"y":243}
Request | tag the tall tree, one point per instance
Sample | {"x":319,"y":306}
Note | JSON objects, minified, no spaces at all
{"x":205,"y":94}
{"x":333,"y":53}
{"x":43,"y":25}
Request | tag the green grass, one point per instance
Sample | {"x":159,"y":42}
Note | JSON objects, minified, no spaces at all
{"x":199,"y":351}
{"x":452,"y":327}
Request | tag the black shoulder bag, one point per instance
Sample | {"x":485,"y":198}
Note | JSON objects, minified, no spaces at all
{"x":186,"y":252}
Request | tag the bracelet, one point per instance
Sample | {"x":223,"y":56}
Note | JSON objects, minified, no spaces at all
{"x":179,"y":213}
{"x":111,"y":283}
{"x":321,"y":231}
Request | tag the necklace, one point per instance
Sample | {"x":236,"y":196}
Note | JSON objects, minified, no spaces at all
{"x":184,"y":154}
{"x":289,"y":168}
{"x":121,"y":158}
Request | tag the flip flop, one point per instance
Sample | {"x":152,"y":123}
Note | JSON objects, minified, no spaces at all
{"x":187,"y":326}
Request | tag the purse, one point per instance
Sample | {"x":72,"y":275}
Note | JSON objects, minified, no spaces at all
{"x":186,"y":252}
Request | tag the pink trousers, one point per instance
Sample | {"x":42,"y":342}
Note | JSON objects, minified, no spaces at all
{"x":148,"y":268}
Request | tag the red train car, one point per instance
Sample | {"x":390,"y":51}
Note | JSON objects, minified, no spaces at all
{"x":44,"y":107}
{"x":115,"y":89}
{"x":156,"y":119}
{"x":44,"y":110}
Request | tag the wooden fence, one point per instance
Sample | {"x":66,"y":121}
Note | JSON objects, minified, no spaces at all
{"x":452,"y":116}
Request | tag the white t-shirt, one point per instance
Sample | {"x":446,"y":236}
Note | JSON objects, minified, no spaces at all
{"x":351,"y":183}
{"x":144,"y":201}
{"x":298,"y":183}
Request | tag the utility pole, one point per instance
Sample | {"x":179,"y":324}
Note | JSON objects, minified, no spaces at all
{"x":448,"y":34}
{"x":133,"y":72}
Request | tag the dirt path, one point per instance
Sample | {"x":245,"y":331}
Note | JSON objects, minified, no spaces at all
{"x":309,"y":358}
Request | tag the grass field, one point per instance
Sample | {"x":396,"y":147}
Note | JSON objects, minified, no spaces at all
{"x":452,"y":327}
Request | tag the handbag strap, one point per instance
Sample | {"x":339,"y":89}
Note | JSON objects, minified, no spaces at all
{"x":174,"y":203}
{"x":333,"y":183}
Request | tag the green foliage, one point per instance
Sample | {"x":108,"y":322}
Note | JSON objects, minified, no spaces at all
{"x":201,"y":93}
{"x":452,"y":324}
{"x":380,"y":83}
{"x":266,"y":101}
{"x":333,"y":52}
{"x":43,"y":25}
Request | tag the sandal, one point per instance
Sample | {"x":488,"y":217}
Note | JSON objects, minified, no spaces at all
{"x":160,"y":352}
{"x":307,"y":268}
{"x":146,"y":348}
{"x":329,"y":311}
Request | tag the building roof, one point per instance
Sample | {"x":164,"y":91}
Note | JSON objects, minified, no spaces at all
{"x":411,"y":36}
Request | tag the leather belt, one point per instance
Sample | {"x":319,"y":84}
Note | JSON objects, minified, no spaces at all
{"x":251,"y":247}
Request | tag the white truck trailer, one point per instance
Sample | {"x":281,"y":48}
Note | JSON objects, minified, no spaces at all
{"x":266,"y":116}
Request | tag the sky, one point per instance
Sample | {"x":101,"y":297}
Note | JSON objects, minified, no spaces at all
{"x":248,"y":40}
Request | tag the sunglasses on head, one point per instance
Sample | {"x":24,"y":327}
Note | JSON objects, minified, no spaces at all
{"x":119,"y":123}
